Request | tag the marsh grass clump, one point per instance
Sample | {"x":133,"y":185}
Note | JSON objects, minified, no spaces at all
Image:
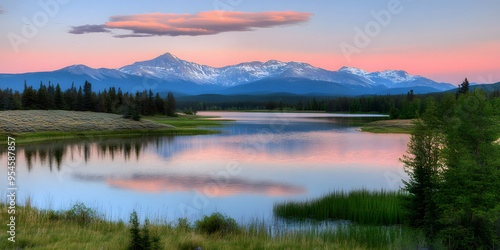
{"x":361,"y":206}
{"x":217,"y":223}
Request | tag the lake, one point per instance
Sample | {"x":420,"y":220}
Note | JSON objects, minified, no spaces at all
{"x":259,"y":159}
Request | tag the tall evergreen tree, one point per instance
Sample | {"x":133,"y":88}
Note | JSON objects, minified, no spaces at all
{"x":300,"y":105}
{"x":470,"y":192}
{"x":160,"y":104}
{"x":463,"y":88}
{"x":172,"y":105}
{"x":87,"y":96}
{"x":79,"y":104}
{"x":29,"y":97}
{"x":59,"y":99}
{"x":151,"y":103}
{"x":423,"y":165}
{"x":51,"y":92}
{"x":42,"y":99}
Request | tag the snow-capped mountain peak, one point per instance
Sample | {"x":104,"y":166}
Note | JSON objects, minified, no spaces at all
{"x":354,"y":71}
{"x":168,"y":66}
{"x":172,"y":73}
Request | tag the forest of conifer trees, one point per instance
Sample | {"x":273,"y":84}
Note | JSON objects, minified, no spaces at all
{"x":112,"y":100}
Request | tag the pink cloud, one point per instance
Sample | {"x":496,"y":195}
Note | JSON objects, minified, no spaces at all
{"x":202,"y":23}
{"x":207,"y":185}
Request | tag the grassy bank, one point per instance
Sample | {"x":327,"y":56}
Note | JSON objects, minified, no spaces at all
{"x":189,"y":121}
{"x":28,"y":126}
{"x":46,"y":229}
{"x":23,"y":138}
{"x":361,"y":206}
{"x":400,"y":126}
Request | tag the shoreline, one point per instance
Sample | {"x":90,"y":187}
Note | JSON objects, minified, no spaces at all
{"x":87,"y":227}
{"x":28,"y":126}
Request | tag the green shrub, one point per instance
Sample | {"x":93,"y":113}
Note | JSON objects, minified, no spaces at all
{"x":55,"y":215}
{"x":183,"y":224}
{"x":81,"y":214}
{"x":217,"y":223}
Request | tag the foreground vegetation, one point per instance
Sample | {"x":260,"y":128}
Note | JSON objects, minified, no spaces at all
{"x":454,"y":172}
{"x":361,"y":206}
{"x":83,"y":228}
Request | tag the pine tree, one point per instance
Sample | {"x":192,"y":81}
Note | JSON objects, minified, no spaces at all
{"x":422,"y":166}
{"x":28,"y":97}
{"x":79,"y":105}
{"x":135,"y":237}
{"x":111,"y":100}
{"x":172,"y":105}
{"x":470,"y":191}
{"x":300,"y":105}
{"x":160,"y":104}
{"x":51,"y":92}
{"x":87,"y":96}
{"x":42,"y":99}
{"x":463,"y":88}
{"x":59,"y":99}
{"x":151,"y":103}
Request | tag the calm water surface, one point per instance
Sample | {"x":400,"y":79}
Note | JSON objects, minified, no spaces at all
{"x":259,"y":159}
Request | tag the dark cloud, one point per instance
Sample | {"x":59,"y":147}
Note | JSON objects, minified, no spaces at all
{"x":88,"y":28}
{"x":1,"y":10}
{"x":203,"y":23}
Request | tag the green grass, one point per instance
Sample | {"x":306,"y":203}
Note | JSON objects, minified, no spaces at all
{"x":47,"y":229}
{"x":23,"y":138}
{"x":189,"y":122}
{"x":361,"y":206}
{"x":393,"y":130}
{"x":399,"y":126}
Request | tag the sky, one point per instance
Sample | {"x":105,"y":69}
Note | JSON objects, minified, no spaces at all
{"x":442,"y":40}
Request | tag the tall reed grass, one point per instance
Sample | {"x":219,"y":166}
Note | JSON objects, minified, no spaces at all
{"x":361,"y":206}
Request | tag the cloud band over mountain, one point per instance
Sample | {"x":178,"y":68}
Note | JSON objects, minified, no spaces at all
{"x":202,"y":23}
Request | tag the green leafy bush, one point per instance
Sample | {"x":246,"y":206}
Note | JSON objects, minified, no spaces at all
{"x":217,"y":223}
{"x":81,"y":214}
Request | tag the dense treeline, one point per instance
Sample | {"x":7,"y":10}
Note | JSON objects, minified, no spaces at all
{"x":112,"y":100}
{"x":405,"y":106}
{"x":454,"y":170}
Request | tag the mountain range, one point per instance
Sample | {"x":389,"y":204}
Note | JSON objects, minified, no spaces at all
{"x":169,"y":73}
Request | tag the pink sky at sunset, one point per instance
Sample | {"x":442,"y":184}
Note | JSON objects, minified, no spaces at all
{"x":442,"y":46}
